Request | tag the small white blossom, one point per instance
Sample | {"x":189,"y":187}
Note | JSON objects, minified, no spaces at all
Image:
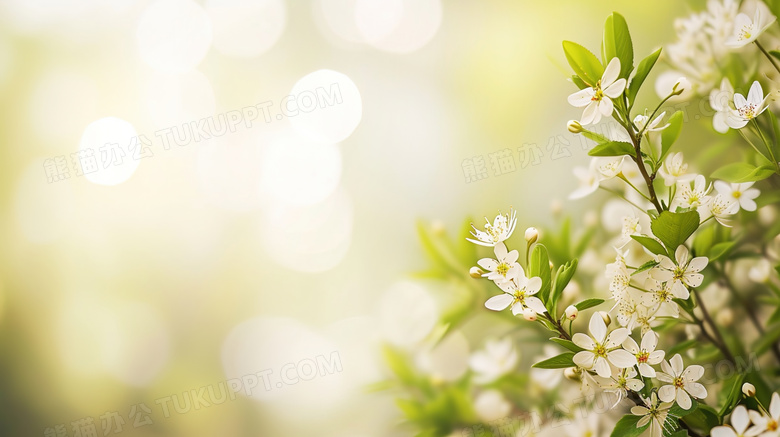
{"x":720,"y":100}
{"x":640,"y":121}
{"x":597,"y":99}
{"x":500,"y":230}
{"x":653,"y":413}
{"x":766,"y":425}
{"x":646,"y":354}
{"x":497,"y":359}
{"x":661,"y":296}
{"x":609,"y":167}
{"x":740,"y":420}
{"x":491,"y":405}
{"x":631,"y":227}
{"x":746,"y":30}
{"x":682,"y":272}
{"x":602,"y":349}
{"x":674,"y":170}
{"x":681,"y":381}
{"x":721,"y":208}
{"x":691,"y":196}
{"x":504,"y":267}
{"x":743,"y":193}
{"x":519,"y":293}
{"x":620,"y":383}
{"x":747,"y":109}
{"x":588,"y":181}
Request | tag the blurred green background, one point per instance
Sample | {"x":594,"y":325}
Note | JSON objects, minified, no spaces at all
{"x":242,"y":252}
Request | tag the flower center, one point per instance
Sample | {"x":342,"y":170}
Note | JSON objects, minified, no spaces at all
{"x":502,"y":269}
{"x":600,"y":351}
{"x":679,"y":274}
{"x":520,"y":297}
{"x":737,"y":194}
{"x":678,"y":382}
{"x":643,"y":356}
{"x":771,"y":425}
{"x":745,"y":33}
{"x":748,"y":111}
{"x":598,"y":94}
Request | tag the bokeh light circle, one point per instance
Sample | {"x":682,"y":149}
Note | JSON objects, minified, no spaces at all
{"x":109,"y":141}
{"x":246,"y":28}
{"x":324,"y":106}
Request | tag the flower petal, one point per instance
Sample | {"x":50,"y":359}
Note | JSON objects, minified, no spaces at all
{"x":500,"y":302}
{"x":649,"y":341}
{"x":693,"y":373}
{"x":598,"y":329}
{"x":666,"y":393}
{"x":677,"y":364}
{"x":614,"y":90}
{"x":535,"y":304}
{"x":621,"y":358}
{"x":602,"y":367}
{"x":610,"y":73}
{"x":581,"y":98}
{"x":696,"y":390}
{"x":684,"y":400}
{"x":583,"y":341}
{"x":584,"y":359}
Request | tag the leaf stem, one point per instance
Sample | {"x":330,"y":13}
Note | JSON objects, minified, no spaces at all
{"x":768,"y":56}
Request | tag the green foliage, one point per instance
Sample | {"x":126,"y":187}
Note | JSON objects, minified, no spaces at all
{"x":642,"y":70}
{"x":568,"y":344}
{"x":588,"y":303}
{"x":617,"y":43}
{"x":674,"y":228}
{"x":739,"y":172}
{"x":539,"y":265}
{"x":561,"y":361}
{"x":720,"y":250}
{"x":650,"y":244}
{"x":584,"y":63}
{"x":562,"y":278}
{"x":612,"y":148}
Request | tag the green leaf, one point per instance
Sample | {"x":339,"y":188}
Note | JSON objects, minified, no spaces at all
{"x":739,"y":172}
{"x":593,"y":136}
{"x":767,"y":340}
{"x":674,"y":228}
{"x":642,"y":70}
{"x":588,"y":303}
{"x":671,"y":133}
{"x":650,"y":244}
{"x":732,"y":389}
{"x":720,"y":250}
{"x":568,"y":344}
{"x":704,"y":240}
{"x":646,"y":266}
{"x":562,"y":278}
{"x":681,"y":347}
{"x":617,"y":43}
{"x":561,"y":361}
{"x":703,"y":418}
{"x":627,"y":427}
{"x":612,"y":148}
{"x":539,"y":265}
{"x":584,"y":63}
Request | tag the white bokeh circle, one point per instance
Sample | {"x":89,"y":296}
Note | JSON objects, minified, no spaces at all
{"x":109,"y":141}
{"x":324,"y":106}
{"x":246,"y":28}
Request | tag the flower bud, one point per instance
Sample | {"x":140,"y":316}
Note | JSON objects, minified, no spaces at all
{"x":529,"y":314}
{"x":681,"y":85}
{"x":531,"y":235}
{"x":571,"y":312}
{"x":572,"y":373}
{"x":749,"y":389}
{"x":574,"y":126}
{"x":552,"y":267}
{"x":605,"y":317}
{"x":476,"y":272}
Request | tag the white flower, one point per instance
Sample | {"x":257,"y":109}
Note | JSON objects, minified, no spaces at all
{"x":742,"y":193}
{"x":608,"y":167}
{"x":500,"y":230}
{"x":491,"y":405}
{"x":661,"y":297}
{"x":646,"y":355}
{"x":682,"y":382}
{"x":588,"y":180}
{"x":691,"y":197}
{"x":652,"y":411}
{"x":640,"y":121}
{"x":722,"y":207}
{"x":747,"y":109}
{"x":766,"y":426}
{"x":618,"y":276}
{"x":620,"y":383}
{"x":631,"y":227}
{"x":504,"y":267}
{"x":683,"y":273}
{"x":644,"y":319}
{"x":720,"y":100}
{"x":597,"y":99}
{"x":674,"y":169}
{"x":739,"y":424}
{"x":519,"y":293}
{"x":761,"y":271}
{"x":746,"y":30}
{"x":602,"y":349}
{"x":497,"y":359}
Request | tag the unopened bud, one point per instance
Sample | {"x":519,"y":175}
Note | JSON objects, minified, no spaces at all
{"x":531,"y":235}
{"x":529,"y":314}
{"x":749,"y":389}
{"x":572,"y":312}
{"x":605,"y":317}
{"x":574,"y":126}
{"x":572,"y":373}
{"x":476,"y":272}
{"x":552,"y":266}
{"x":681,"y":85}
